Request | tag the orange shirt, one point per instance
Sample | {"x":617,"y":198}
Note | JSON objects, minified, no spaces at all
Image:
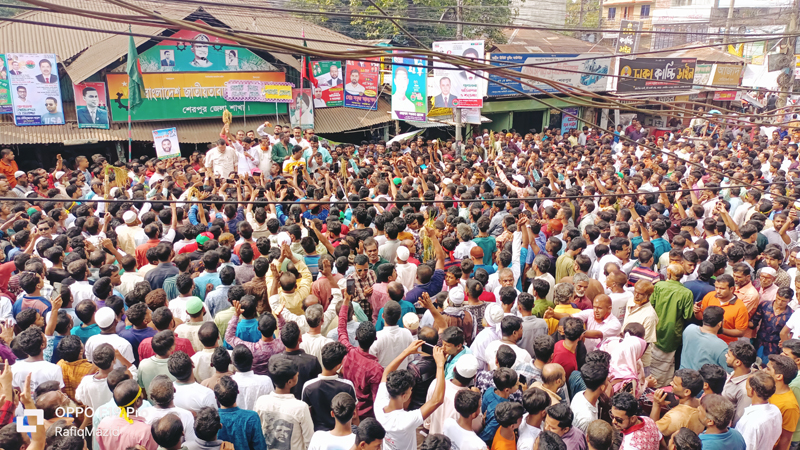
{"x":141,"y":252}
{"x":501,"y":443}
{"x":736,"y":315}
{"x":9,"y":170}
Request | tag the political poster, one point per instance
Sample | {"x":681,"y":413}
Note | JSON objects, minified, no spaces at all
{"x":409,"y":87}
{"x":567,"y":121}
{"x":35,"y":90}
{"x":655,"y":74}
{"x":301,"y":111}
{"x":193,"y":51}
{"x":166,"y":143}
{"x":457,"y":88}
{"x":363,"y":79}
{"x":585,"y":71}
{"x":5,"y":92}
{"x":90,"y":105}
{"x":329,"y":91}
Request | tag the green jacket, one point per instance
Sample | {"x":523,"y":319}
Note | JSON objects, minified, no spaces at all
{"x":674,"y":305}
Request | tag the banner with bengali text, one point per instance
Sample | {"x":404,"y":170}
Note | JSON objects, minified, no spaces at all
{"x":188,"y":95}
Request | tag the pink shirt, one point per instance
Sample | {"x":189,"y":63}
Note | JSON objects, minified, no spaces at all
{"x":116,"y":433}
{"x":609,"y":327}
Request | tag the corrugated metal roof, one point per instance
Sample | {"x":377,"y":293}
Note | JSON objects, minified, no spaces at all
{"x":540,"y":41}
{"x":328,"y":120}
{"x":705,"y":54}
{"x":85,"y":53}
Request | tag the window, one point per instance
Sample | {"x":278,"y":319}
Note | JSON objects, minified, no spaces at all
{"x":612,"y":13}
{"x":645,"y":11}
{"x":627,"y":12}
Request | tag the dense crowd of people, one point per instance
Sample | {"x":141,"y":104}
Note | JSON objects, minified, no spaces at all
{"x":598,"y":289}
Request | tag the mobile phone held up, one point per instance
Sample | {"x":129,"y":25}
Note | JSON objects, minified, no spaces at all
{"x":351,"y":287}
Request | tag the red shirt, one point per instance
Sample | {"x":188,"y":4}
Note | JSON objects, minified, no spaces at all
{"x":565,"y":357}
{"x":361,"y":368}
{"x":256,"y":253}
{"x":141,"y":252}
{"x":181,"y":345}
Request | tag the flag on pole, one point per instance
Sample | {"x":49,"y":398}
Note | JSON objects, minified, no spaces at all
{"x":135,"y":82}
{"x":307,"y":71}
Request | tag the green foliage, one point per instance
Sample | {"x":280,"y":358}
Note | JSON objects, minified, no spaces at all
{"x":477,"y":11}
{"x":591,"y":13}
{"x":9,"y":12}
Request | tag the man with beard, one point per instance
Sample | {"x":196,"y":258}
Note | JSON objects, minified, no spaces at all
{"x":52,"y":116}
{"x":22,"y":188}
{"x":161,"y":169}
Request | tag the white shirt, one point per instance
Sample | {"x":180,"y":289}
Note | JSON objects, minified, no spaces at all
{"x":463,"y":439}
{"x":246,"y":165}
{"x":129,"y":280}
{"x":284,"y":410}
{"x":251,"y":386}
{"x":527,"y":434}
{"x":81,"y":290}
{"x":202,"y":364}
{"x":392,"y":340}
{"x":462,"y":249}
{"x":115,"y":341}
{"x":400,"y":425}
{"x":619,"y":301}
{"x":324,"y":440}
{"x":302,"y":143}
{"x":41,"y":371}
{"x":584,"y":412}
{"x":151,"y":415}
{"x":490,"y":354}
{"x":794,"y":324}
{"x":313,"y":343}
{"x":93,"y":392}
{"x":222,"y":163}
{"x":194,"y":396}
{"x":760,"y":426}
{"x":406,"y":275}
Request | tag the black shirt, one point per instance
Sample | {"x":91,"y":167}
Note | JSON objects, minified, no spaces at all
{"x":319,"y":393}
{"x":424,"y":370}
{"x":308,"y":368}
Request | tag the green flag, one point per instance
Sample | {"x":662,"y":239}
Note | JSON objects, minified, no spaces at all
{"x":135,"y":81}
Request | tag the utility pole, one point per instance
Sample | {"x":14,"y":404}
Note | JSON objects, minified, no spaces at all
{"x":786,"y":79}
{"x":728,"y":23}
{"x":582,"y":14}
{"x":459,"y":36}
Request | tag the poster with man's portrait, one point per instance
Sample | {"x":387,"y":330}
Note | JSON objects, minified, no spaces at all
{"x":278,"y":430}
{"x":166,"y":143}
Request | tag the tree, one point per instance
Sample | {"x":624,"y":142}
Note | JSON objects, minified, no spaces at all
{"x":476,"y":11}
{"x":9,"y":12}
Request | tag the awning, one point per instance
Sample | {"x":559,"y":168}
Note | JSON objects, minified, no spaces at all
{"x":327,"y":120}
{"x":403,"y":137}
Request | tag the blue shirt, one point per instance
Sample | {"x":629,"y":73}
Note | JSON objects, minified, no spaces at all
{"x":699,"y":289}
{"x":247,"y":330}
{"x":204,"y":279}
{"x":488,"y":405}
{"x":135,"y":337}
{"x":702,"y":348}
{"x":450,"y":365}
{"x":242,"y":428}
{"x":432,"y":287}
{"x":405,"y":307}
{"x":85,"y":332}
{"x":730,"y":440}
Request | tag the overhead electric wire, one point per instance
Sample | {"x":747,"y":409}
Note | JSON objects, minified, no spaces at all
{"x":383,"y":50}
{"x":435,"y":21}
{"x":458,"y":61}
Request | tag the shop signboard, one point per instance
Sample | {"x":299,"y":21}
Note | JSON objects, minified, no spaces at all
{"x":628,"y":39}
{"x":35,"y":89}
{"x":187,"y":95}
{"x":727,"y":74}
{"x":585,"y":71}
{"x":655,"y":74}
